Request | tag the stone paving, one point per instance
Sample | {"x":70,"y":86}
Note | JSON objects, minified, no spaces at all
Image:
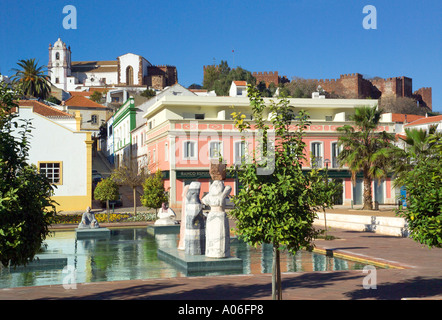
{"x":415,"y":273}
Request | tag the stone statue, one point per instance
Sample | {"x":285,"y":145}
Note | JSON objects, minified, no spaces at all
{"x":88,"y":220}
{"x":195,"y":238}
{"x":217,"y":224}
{"x":166,"y":216}
{"x":183,"y":219}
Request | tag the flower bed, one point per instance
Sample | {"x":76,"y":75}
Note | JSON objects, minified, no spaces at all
{"x":102,"y":218}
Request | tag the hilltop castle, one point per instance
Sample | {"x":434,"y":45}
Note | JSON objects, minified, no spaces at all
{"x":355,"y":86}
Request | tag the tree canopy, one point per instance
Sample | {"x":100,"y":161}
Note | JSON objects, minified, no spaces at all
{"x":419,"y":170}
{"x":277,"y":202}
{"x":106,"y":190}
{"x":26,"y":208}
{"x":364,"y":149}
{"x":31,"y":79}
{"x":154,"y":192}
{"x":220,"y":77}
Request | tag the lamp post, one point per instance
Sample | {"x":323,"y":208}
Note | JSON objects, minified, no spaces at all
{"x":326,"y":161}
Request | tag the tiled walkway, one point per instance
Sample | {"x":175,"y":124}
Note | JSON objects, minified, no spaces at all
{"x":421,"y":277}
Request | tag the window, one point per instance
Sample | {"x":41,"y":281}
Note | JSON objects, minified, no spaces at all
{"x":94,"y":119}
{"x":317,"y":155}
{"x":215,"y":149}
{"x":52,"y":171}
{"x":335,"y":153}
{"x":199,"y":116}
{"x":57,"y":80}
{"x":129,"y":76}
{"x":189,"y":148}
{"x":240,"y":151}
{"x":57,"y":56}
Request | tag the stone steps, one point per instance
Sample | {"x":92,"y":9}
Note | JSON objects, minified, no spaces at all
{"x":392,"y":226}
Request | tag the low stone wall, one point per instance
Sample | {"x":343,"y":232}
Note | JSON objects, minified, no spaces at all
{"x":382,"y":225}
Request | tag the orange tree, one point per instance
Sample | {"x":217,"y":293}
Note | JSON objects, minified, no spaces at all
{"x":278,"y":201}
{"x":106,"y":190}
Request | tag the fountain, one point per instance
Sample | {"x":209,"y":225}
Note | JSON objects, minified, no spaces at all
{"x":89,"y":227}
{"x":206,"y":245}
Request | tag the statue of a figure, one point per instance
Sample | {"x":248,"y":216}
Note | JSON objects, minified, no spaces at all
{"x":217,"y":224}
{"x":195,"y":238}
{"x":88,"y":220}
{"x":183,"y":219}
{"x":166,"y":216}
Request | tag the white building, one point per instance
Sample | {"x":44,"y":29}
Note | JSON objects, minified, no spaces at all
{"x":62,"y":152}
{"x":238,"y":89}
{"x":128,"y":70}
{"x":139,"y":151}
{"x":426,"y":123}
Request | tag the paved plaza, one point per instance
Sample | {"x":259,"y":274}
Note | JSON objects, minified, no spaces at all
{"x":415,"y":273}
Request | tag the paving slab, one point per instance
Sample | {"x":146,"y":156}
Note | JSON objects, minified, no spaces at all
{"x":415,"y":273}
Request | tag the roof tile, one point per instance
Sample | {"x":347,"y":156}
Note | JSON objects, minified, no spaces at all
{"x":43,"y":109}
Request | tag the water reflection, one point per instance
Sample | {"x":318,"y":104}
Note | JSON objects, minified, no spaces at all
{"x":132,"y":254}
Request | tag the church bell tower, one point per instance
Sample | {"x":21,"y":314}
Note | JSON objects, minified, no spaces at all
{"x":59,"y":65}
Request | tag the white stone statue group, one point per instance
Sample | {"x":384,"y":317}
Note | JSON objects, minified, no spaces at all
{"x":205,"y":234}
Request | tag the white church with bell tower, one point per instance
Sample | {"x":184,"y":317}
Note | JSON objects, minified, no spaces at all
{"x":129,"y":72}
{"x":59,"y":65}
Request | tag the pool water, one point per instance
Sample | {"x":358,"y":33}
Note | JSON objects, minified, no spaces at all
{"x":131,"y":253}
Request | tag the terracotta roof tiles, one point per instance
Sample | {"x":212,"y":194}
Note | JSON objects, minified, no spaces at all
{"x":400,"y":117}
{"x":80,"y":101}
{"x":43,"y":109}
{"x":425,"y":120}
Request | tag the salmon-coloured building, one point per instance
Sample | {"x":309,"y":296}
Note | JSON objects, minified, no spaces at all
{"x":183,"y":134}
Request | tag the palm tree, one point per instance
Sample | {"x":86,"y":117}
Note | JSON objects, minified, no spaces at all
{"x":364,"y":149}
{"x":417,"y":144}
{"x":31,"y":79}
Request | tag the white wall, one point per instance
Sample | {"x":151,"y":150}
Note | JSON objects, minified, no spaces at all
{"x":129,"y":59}
{"x":51,"y":141}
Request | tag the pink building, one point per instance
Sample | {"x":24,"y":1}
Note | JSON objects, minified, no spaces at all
{"x":185,"y":132}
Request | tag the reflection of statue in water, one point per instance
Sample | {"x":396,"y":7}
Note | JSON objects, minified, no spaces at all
{"x":183,"y":219}
{"x":217,"y":225}
{"x":194,"y":234}
{"x":88,"y":220}
{"x":166,"y":216}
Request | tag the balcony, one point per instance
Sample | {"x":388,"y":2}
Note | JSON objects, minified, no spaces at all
{"x":317,"y":162}
{"x":335,"y":163}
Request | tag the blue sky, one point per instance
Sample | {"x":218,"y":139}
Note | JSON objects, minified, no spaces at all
{"x":310,"y":39}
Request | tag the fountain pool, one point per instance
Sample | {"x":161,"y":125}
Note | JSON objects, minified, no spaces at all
{"x":131,"y":253}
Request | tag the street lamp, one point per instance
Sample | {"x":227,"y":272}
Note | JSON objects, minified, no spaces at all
{"x":326,"y":161}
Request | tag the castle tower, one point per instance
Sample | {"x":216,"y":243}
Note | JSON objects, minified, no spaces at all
{"x":59,"y":66}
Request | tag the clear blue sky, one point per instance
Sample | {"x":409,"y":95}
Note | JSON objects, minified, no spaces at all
{"x":304,"y":38}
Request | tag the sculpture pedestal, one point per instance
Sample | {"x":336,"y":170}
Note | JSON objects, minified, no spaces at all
{"x":163,"y":229}
{"x":198,"y":264}
{"x":91,"y":233}
{"x":44,"y":262}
